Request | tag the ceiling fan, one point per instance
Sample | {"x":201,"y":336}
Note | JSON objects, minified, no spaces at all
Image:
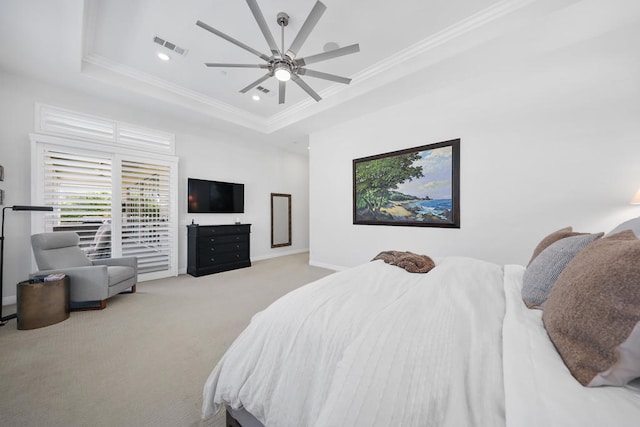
{"x":281,"y":64}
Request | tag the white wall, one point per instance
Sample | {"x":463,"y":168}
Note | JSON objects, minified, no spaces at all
{"x":263,"y":171}
{"x":203,"y":153}
{"x":547,"y":140}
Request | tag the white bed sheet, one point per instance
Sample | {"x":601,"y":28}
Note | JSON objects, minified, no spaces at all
{"x":373,"y":346}
{"x":539,"y":389}
{"x":298,"y":369}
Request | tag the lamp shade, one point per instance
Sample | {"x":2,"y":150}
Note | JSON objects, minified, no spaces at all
{"x":636,"y":199}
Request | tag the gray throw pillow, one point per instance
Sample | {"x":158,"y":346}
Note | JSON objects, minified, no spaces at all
{"x":552,"y":238}
{"x":544,"y":270}
{"x":632,"y":224}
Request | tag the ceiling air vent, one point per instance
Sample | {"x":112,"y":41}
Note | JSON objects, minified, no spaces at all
{"x":171,"y":46}
{"x":263,"y":89}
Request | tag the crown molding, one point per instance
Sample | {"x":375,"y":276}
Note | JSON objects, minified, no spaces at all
{"x":95,"y":66}
{"x":402,"y":63}
{"x":467,"y":25}
{"x":395,"y":66}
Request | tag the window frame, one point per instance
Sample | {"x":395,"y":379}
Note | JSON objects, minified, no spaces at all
{"x":40,"y":142}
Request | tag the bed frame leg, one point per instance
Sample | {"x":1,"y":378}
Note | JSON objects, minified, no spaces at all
{"x":231,"y":422}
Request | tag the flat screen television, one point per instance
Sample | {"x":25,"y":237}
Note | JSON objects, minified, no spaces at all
{"x":215,"y":196}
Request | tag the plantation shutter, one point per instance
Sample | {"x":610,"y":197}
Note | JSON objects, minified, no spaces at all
{"x":79,"y":188}
{"x":146,"y":214}
{"x":113,"y":183}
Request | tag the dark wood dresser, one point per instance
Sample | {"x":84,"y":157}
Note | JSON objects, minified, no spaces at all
{"x":216,"y":248}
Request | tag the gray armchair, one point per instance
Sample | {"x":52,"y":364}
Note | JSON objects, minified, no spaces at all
{"x":90,"y":281}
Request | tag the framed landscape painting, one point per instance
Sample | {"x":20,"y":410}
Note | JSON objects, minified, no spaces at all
{"x":414,"y":187}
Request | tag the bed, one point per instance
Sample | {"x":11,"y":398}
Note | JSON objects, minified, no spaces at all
{"x":376,"y":345}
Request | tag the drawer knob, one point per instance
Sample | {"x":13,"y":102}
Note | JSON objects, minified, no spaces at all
{"x":237,"y":246}
{"x":213,"y":259}
{"x":237,"y":255}
{"x":213,"y":240}
{"x":213,"y":249}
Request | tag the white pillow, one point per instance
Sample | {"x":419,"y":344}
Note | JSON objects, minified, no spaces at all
{"x":632,"y":224}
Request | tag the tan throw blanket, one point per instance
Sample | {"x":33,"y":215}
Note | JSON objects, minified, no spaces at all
{"x":411,"y":262}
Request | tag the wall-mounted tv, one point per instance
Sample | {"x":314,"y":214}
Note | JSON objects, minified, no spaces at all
{"x":215,"y":196}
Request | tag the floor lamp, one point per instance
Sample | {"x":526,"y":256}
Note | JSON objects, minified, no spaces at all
{"x":4,"y":319}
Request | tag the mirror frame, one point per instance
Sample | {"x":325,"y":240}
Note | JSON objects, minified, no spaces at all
{"x":288,"y":197}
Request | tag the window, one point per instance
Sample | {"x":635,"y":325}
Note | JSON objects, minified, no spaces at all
{"x":145,"y":214}
{"x":79,"y":187}
{"x":120,"y":201}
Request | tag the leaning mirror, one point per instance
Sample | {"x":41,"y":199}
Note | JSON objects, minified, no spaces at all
{"x":280,"y":220}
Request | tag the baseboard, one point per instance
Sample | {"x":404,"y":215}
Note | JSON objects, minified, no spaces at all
{"x":327,"y":266}
{"x":280,"y":254}
{"x":10,"y":300}
{"x":183,"y":270}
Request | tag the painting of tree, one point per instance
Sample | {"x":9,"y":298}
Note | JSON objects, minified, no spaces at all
{"x":374,"y":179}
{"x":416,"y":186}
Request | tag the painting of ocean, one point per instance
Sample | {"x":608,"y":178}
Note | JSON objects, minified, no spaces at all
{"x":440,"y":208}
{"x":418,"y":186}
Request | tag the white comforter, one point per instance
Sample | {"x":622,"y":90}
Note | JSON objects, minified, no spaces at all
{"x":539,"y":389}
{"x":373,"y":346}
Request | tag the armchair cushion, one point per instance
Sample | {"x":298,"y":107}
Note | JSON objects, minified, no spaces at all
{"x":130,"y":261}
{"x":58,"y":250}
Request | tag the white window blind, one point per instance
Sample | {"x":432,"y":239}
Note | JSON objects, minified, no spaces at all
{"x":146,"y":217}
{"x":79,"y":188}
{"x":113,"y":183}
{"x":58,"y":121}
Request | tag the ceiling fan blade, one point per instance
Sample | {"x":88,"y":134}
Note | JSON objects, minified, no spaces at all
{"x":256,"y":83}
{"x":329,"y":55}
{"x":232,"y":40}
{"x":212,"y":64}
{"x":257,"y":14}
{"x":325,"y":76}
{"x":307,"y":27}
{"x":281,"y":87}
{"x":312,"y":93}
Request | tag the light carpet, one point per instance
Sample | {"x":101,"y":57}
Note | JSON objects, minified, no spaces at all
{"x":144,"y":359}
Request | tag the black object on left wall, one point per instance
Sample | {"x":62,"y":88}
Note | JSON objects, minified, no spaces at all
{"x":4,"y":319}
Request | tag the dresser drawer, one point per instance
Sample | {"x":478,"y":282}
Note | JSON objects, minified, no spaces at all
{"x":218,"y":240}
{"x":224,"y":229}
{"x":222,"y":258}
{"x":224,"y":247}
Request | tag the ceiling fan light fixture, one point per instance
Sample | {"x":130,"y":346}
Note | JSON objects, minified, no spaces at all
{"x":283,"y":64}
{"x":282,"y":72}
{"x":163,"y":56}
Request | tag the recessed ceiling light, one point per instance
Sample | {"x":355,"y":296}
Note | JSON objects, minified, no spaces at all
{"x":256,"y":97}
{"x":163,"y":56}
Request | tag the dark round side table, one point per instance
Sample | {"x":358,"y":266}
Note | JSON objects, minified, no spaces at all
{"x":42,"y":303}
